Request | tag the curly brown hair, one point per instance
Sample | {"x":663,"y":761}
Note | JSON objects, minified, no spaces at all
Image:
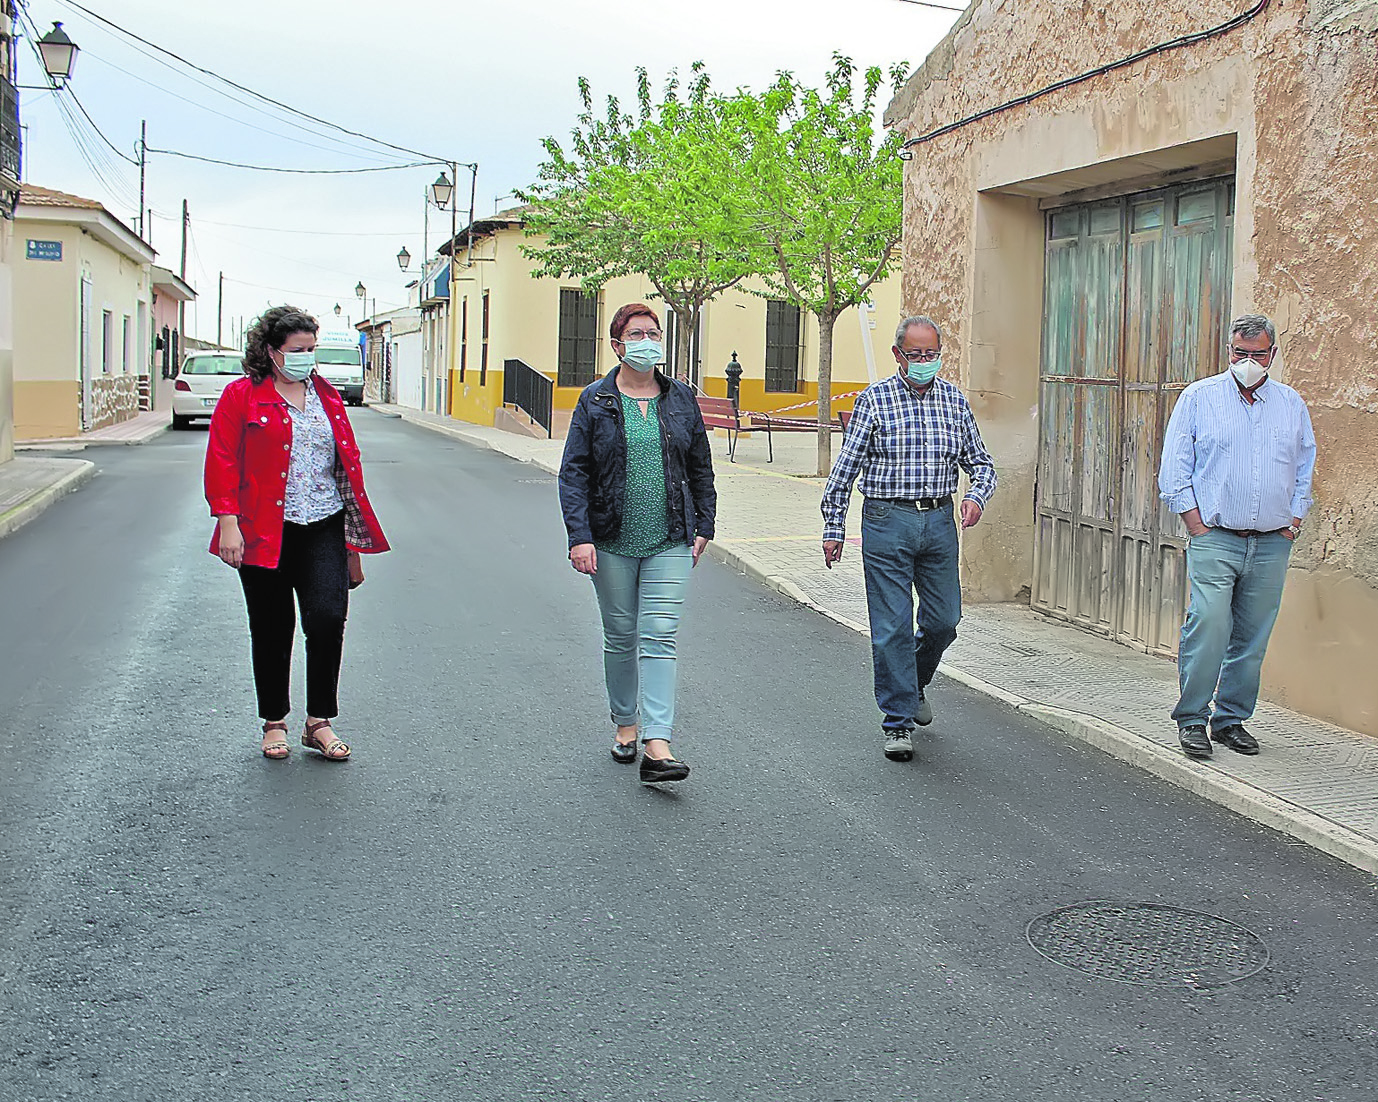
{"x":271,"y":330}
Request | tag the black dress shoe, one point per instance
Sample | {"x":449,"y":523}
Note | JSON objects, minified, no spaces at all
{"x":1236,"y":738}
{"x":659,"y":770}
{"x":624,"y":752}
{"x":1194,"y":742}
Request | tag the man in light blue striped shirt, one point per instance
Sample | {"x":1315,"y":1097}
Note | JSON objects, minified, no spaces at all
{"x":1237,"y":463}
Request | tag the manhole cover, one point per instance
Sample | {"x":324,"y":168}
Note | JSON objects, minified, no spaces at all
{"x":1148,"y":944}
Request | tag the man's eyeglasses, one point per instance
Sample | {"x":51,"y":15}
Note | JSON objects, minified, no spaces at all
{"x":922,"y":356}
{"x":641,"y":335}
{"x":1259,"y":357}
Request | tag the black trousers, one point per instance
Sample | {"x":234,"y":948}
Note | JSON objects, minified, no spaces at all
{"x":313,"y":567}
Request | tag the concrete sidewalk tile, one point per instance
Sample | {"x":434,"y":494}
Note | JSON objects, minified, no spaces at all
{"x":29,"y":485}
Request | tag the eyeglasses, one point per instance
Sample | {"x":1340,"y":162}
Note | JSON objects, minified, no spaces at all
{"x":1259,"y":357}
{"x":641,"y":335}
{"x":921,"y":356}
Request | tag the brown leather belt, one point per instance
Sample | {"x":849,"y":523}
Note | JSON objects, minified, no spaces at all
{"x":1251,"y":532}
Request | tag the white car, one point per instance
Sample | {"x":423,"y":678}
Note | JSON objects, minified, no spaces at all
{"x":204,"y":375}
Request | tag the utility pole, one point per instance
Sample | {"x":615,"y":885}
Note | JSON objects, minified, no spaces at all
{"x":181,"y":304}
{"x":143,"y":162}
{"x":219,"y":310}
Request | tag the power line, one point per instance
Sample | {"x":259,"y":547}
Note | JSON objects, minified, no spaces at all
{"x":341,"y":147}
{"x":311,"y":233}
{"x":290,"y":171}
{"x":929,"y":4}
{"x":430,"y":158}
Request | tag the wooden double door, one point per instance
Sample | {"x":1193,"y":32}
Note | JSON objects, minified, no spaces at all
{"x":1136,"y":301}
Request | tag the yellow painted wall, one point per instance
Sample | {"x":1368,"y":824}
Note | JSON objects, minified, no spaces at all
{"x":46,"y":408}
{"x":47,"y":327}
{"x":46,"y":296}
{"x":524,"y":324}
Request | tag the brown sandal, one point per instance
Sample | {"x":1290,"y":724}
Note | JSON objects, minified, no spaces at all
{"x":332,"y":749}
{"x":276,"y":749}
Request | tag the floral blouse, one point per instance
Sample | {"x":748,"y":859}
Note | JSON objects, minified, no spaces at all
{"x":312,"y":490}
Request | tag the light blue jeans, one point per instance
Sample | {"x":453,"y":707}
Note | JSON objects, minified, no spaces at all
{"x":641,"y":601}
{"x":1236,"y":588}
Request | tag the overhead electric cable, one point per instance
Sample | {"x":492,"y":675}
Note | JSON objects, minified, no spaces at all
{"x":341,"y":148}
{"x":930,"y":4}
{"x":430,"y":157}
{"x":290,"y":171}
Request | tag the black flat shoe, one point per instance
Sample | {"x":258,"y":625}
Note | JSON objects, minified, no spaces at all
{"x":1194,"y":742}
{"x":624,"y":752}
{"x":1236,"y":738}
{"x":657,"y":770}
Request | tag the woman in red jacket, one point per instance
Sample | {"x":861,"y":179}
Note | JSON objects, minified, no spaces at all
{"x":284,"y":481}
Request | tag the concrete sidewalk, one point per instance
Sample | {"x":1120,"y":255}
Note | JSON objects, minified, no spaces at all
{"x":29,"y":485}
{"x":1313,"y":781}
{"x":139,"y":429}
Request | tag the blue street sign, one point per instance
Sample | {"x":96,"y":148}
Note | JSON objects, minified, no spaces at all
{"x":43,"y":250}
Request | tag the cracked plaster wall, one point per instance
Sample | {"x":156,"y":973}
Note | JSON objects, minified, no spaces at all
{"x":1296,"y":90}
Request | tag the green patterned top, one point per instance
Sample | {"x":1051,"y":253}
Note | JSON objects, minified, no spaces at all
{"x":645,"y":523}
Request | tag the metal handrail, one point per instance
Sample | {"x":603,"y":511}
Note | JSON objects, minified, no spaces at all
{"x":530,"y":391}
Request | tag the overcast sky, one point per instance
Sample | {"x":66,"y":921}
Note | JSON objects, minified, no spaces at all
{"x":470,"y":81}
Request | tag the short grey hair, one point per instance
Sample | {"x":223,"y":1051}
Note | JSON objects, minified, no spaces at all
{"x":1250,"y":326}
{"x":917,"y":319}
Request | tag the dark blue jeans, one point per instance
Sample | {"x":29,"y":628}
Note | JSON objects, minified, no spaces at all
{"x":904,"y":550}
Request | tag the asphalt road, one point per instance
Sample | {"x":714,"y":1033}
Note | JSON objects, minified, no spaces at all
{"x":482,"y":905}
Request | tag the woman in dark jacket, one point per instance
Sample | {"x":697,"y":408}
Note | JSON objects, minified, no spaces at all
{"x":286,"y":486}
{"x":636,"y":487}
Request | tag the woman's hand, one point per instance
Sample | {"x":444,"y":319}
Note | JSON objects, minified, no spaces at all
{"x":700,"y":542}
{"x":231,"y":542}
{"x":584,"y":558}
{"x":355,"y":565}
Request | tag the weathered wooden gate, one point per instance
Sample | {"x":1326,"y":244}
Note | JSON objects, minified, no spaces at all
{"x":1136,"y":294}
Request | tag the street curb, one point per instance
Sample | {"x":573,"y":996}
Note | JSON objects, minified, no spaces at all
{"x":27,"y":510}
{"x":1199,"y":778}
{"x":471,"y":438}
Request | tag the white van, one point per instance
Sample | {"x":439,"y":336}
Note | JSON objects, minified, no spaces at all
{"x":340,"y":362}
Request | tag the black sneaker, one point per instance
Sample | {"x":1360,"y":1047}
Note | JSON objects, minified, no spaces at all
{"x":1236,"y":738}
{"x":660,"y":770}
{"x":1194,"y":742}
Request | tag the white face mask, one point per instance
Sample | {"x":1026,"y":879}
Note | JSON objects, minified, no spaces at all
{"x":1249,"y":373}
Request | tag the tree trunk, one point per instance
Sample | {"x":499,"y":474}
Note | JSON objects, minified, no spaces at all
{"x":826,"y":322}
{"x":685,"y":318}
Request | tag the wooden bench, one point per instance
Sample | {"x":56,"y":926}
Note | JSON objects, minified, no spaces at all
{"x":772,"y":424}
{"x":722,"y":413}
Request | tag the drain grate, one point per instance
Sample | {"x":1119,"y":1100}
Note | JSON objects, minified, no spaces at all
{"x":1148,"y":944}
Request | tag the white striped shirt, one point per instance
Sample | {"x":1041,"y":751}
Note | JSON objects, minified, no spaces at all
{"x":1246,"y":467}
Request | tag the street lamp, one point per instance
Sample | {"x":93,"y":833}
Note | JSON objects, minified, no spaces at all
{"x":403,"y":258}
{"x":441,"y":191}
{"x":59,"y":55}
{"x":337,"y":309}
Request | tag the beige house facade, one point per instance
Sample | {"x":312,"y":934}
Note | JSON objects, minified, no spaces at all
{"x":82,"y":313}
{"x":504,"y":317}
{"x":1094,"y":191}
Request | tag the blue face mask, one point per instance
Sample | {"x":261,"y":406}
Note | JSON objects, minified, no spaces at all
{"x":643,"y":355}
{"x":923,"y":373}
{"x":298,"y":365}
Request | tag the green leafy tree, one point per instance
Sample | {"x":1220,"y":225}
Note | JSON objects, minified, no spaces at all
{"x":655,"y":193}
{"x":827,"y":199}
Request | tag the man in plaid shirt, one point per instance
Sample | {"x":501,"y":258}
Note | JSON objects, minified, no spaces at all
{"x":907,"y":438}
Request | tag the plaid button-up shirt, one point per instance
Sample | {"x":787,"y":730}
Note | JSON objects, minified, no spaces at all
{"x":905,"y":446}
